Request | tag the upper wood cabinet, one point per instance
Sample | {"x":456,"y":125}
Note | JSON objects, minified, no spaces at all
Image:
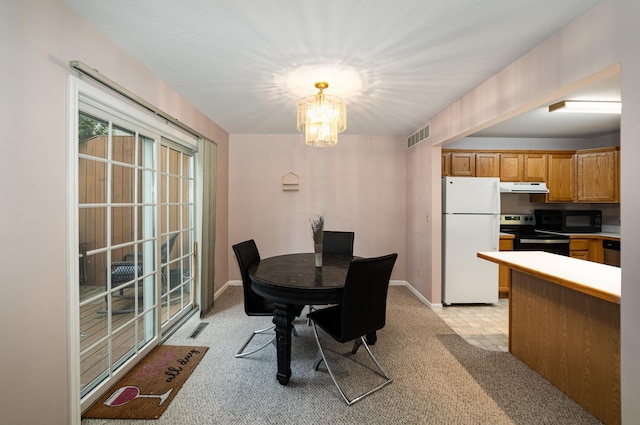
{"x":463,"y":164}
{"x":535,"y":167}
{"x":598,"y":175}
{"x":487,"y":164}
{"x":561,"y":171}
{"x":446,"y":164}
{"x":587,"y":175}
{"x":511,"y":167}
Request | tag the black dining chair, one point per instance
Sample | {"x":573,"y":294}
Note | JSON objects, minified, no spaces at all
{"x":362,"y":311}
{"x":334,"y":242}
{"x":247,"y":255}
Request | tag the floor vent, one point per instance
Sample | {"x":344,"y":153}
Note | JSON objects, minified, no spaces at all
{"x":198,"y":329}
{"x":419,"y":136}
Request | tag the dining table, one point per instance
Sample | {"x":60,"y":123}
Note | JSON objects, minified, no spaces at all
{"x":291,"y":282}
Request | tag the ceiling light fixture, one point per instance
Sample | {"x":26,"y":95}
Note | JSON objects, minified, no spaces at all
{"x":321,"y":118}
{"x":586,"y":107}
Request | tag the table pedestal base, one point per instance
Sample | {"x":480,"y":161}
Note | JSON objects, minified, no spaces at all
{"x":283,"y":319}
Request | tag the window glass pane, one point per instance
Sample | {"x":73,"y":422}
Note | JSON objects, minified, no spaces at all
{"x":92,"y":136}
{"x":145,"y":337}
{"x":164,"y":154}
{"x":94,"y":365}
{"x":92,"y":178}
{"x":93,"y":327}
{"x":123,"y":142}
{"x":186,"y":216}
{"x":122,"y":186}
{"x":93,"y":279}
{"x":122,"y":225}
{"x":186,"y":165}
{"x":123,"y":343}
{"x":174,"y":189}
{"x":147,"y":220}
{"x":163,"y":189}
{"x":174,"y":218}
{"x":92,"y":227}
{"x":174,"y":162}
{"x":164,"y":213}
{"x":148,"y":257}
{"x":186,"y":191}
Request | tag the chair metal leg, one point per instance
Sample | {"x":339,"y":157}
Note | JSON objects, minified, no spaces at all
{"x":310,"y":310}
{"x":357,"y":344}
{"x":240,"y":352}
{"x":254,"y":333}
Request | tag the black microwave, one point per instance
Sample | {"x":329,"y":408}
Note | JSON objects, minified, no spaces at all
{"x":569,"y":221}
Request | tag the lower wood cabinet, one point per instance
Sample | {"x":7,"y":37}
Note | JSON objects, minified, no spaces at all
{"x":586,"y":248}
{"x":504,"y":272}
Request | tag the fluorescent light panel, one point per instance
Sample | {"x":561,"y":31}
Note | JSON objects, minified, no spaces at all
{"x":586,"y":107}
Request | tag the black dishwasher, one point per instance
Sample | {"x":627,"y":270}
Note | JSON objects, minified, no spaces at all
{"x":611,"y":252}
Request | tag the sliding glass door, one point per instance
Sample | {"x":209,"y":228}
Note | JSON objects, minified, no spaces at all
{"x":136,"y":240}
{"x":177,"y":232}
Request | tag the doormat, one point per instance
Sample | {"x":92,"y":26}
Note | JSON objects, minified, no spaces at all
{"x":146,"y":391}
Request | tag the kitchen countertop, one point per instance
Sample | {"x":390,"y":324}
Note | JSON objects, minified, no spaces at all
{"x":599,"y":235}
{"x":598,"y":280}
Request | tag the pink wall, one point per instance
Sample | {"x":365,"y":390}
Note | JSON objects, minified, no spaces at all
{"x":38,"y":39}
{"x":359,"y":185}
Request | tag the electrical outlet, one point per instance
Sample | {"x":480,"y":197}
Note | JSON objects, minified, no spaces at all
{"x":428,"y":218}
{"x":419,"y":271}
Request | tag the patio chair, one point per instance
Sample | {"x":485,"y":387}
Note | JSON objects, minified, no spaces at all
{"x":124,"y":271}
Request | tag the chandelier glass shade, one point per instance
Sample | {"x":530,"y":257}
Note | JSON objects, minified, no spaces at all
{"x":321,"y":118}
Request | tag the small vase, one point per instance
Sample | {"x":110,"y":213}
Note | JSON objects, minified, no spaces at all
{"x":318,"y":251}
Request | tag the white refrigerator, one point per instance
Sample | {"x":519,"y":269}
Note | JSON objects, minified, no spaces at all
{"x":470,"y":223}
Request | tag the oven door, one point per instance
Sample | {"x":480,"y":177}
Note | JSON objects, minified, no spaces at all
{"x":554,"y":245}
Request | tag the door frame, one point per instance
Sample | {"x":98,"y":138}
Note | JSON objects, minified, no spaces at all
{"x":114,"y":105}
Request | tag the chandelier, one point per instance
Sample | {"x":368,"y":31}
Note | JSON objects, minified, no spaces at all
{"x":321,"y":118}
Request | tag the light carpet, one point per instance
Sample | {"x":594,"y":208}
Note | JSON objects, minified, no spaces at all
{"x":438,"y":377}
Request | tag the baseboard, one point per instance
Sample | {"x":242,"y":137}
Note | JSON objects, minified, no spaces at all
{"x":418,"y":295}
{"x":225,"y":286}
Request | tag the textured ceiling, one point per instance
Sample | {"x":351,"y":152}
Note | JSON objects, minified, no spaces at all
{"x":233,"y":59}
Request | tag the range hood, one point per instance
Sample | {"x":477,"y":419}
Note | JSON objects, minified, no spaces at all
{"x":523,"y":187}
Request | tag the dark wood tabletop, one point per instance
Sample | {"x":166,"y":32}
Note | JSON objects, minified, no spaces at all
{"x":291,"y":281}
{"x":294,"y":279}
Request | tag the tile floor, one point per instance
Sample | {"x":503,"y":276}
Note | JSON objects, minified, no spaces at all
{"x":485,"y":326}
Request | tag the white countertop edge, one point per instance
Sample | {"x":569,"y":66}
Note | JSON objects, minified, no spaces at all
{"x":590,"y":275}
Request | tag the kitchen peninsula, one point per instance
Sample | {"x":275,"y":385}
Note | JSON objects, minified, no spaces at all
{"x":564,"y":322}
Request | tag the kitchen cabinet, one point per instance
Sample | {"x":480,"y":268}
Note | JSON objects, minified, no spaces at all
{"x":463,"y":164}
{"x":586,"y":175}
{"x":511,"y":167}
{"x":504,"y":273}
{"x":534,"y":167}
{"x":561,"y":171}
{"x":586,"y":248}
{"x":487,"y":164}
{"x":598,"y":175}
{"x":564,"y":323}
{"x":446,"y":164}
